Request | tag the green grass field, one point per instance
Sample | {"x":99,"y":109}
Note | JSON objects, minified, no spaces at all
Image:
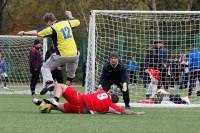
{"x":19,"y":115}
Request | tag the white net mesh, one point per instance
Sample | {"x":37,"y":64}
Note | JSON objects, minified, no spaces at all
{"x":131,"y":34}
{"x":16,"y":51}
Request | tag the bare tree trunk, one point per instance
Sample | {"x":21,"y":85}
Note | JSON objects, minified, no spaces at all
{"x":2,"y":6}
{"x":156,"y":24}
{"x":189,"y":7}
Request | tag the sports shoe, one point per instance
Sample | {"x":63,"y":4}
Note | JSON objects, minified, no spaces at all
{"x":198,"y":93}
{"x":52,"y":102}
{"x":35,"y":95}
{"x":127,"y":106}
{"x":189,"y":96}
{"x":69,"y":83}
{"x":5,"y":87}
{"x":47,"y":87}
{"x":36,"y":101}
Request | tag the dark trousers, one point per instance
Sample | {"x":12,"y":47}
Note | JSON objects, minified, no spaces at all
{"x":162,"y":81}
{"x":34,"y":80}
{"x":83,"y":80}
{"x":57,"y":75}
{"x":132,"y":76}
{"x":185,"y":80}
{"x":193,"y":76}
{"x":171,"y":80}
{"x":106,"y":87}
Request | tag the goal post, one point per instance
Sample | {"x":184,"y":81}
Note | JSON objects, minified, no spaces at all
{"x":16,"y":51}
{"x":131,"y":34}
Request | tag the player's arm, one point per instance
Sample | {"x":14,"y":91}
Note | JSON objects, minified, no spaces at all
{"x":103,"y":75}
{"x":33,"y":59}
{"x":69,"y":14}
{"x":32,"y":32}
{"x":126,"y":112}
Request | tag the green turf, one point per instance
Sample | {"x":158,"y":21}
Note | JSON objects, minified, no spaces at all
{"x":19,"y":115}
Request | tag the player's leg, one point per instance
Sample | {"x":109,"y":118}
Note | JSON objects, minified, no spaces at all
{"x":60,"y":88}
{"x":131,"y":77}
{"x":197,"y":83}
{"x":59,"y":76}
{"x":6,"y":80}
{"x":71,"y":66}
{"x":134,"y":74}
{"x":106,"y":85}
{"x":192,"y":82}
{"x":34,"y":80}
{"x":53,"y":62}
{"x":125,"y":94}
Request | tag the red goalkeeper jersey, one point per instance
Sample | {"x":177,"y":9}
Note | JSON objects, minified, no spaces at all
{"x":100,"y":102}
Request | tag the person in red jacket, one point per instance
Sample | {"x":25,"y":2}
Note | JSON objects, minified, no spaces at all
{"x":94,"y":103}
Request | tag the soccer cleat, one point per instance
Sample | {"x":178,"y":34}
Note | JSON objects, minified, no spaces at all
{"x":198,"y":93}
{"x":47,"y":87}
{"x":69,"y":83}
{"x":5,"y":87}
{"x":147,"y":96}
{"x":189,"y":96}
{"x":127,"y":106}
{"x":36,"y":101}
{"x":52,"y":102}
{"x":35,"y":95}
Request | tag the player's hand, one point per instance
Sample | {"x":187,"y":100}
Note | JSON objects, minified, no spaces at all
{"x":68,"y":14}
{"x":124,"y":87}
{"x":100,"y":87}
{"x":146,"y":70}
{"x":21,"y":33}
{"x":35,"y":69}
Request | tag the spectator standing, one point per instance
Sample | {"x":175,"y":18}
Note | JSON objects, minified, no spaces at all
{"x":35,"y":65}
{"x":194,"y":68}
{"x":132,"y":70}
{"x":3,"y":71}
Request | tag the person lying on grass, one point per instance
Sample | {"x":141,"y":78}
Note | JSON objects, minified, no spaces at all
{"x":94,"y":103}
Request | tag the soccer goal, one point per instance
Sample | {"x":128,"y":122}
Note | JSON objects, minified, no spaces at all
{"x":131,"y":34}
{"x":16,"y":50}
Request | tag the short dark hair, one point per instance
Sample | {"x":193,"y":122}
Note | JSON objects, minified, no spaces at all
{"x":193,"y":45}
{"x":49,"y":17}
{"x":158,"y":41}
{"x":114,"y":97}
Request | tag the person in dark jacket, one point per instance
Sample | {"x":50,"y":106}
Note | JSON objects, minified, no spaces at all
{"x":163,"y":71}
{"x":114,"y":72}
{"x":153,"y":64}
{"x":35,"y":65}
{"x":84,"y":72}
{"x":56,"y":73}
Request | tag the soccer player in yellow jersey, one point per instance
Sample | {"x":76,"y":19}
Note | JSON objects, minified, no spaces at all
{"x":65,"y":46}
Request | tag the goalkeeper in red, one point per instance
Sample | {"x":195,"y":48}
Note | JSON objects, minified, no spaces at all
{"x":95,"y":103}
{"x":64,"y":44}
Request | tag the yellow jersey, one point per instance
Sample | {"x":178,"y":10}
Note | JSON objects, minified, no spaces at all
{"x":62,"y":36}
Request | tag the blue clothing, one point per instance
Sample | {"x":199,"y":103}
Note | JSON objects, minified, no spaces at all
{"x":194,"y":60}
{"x":132,"y":65}
{"x":115,"y":74}
{"x":2,"y":66}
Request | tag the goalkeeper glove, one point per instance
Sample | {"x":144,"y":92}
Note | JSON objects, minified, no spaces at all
{"x":100,"y":87}
{"x":124,"y":87}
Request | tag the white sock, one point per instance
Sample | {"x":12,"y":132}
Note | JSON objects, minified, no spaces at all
{"x":149,"y":89}
{"x":197,"y":85}
{"x":51,"y":92}
{"x":154,"y":90}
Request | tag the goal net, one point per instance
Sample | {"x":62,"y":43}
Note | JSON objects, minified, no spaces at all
{"x":131,"y":34}
{"x":16,"y":51}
